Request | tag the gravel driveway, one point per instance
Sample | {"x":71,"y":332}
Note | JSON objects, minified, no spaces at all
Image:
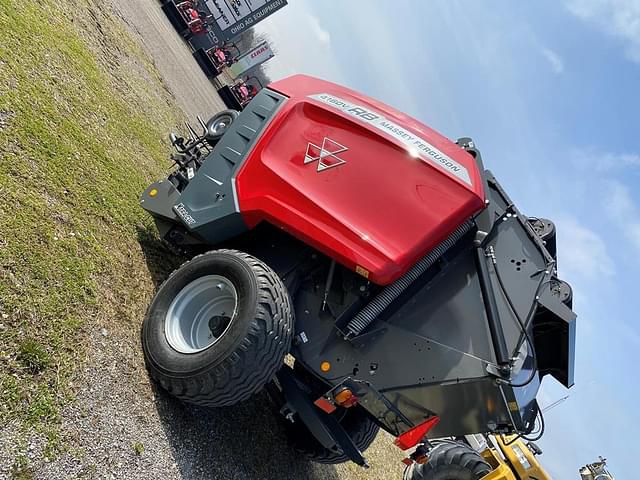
{"x":192,"y":90}
{"x":121,"y":426}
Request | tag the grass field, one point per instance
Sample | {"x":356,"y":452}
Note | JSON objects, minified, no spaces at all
{"x":84,"y":116}
{"x":80,"y":136}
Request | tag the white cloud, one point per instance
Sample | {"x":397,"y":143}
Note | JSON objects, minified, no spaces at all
{"x":555,"y":60}
{"x":584,"y":253}
{"x":320,"y":33}
{"x":370,"y":28}
{"x":305,"y":44}
{"x":604,"y":161}
{"x":619,"y":18}
{"x":619,"y":201}
{"x":634,"y":234}
{"x":624,"y":212}
{"x":618,"y":204}
{"x":302,"y":44}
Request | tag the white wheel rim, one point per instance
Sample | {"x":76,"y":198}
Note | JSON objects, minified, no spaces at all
{"x":200,"y":314}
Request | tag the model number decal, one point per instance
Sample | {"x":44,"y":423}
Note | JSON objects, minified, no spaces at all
{"x":182,"y":212}
{"x":413,"y":143}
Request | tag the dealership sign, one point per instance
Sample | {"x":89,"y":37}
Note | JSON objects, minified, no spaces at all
{"x":232,"y":17}
{"x":252,"y":58}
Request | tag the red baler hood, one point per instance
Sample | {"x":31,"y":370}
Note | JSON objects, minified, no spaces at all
{"x":367,"y":185}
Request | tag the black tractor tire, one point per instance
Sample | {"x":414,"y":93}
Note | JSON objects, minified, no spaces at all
{"x":356,"y":422}
{"x":449,"y":461}
{"x":245,"y":356}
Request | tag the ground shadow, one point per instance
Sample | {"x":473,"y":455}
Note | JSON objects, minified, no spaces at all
{"x":241,"y":442}
{"x":161,"y":260}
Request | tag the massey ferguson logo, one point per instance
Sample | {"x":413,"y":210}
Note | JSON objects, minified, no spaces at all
{"x":326,"y":155}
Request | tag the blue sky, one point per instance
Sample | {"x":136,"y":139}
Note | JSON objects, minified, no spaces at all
{"x":549,"y":92}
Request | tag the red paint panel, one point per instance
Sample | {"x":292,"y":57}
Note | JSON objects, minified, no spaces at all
{"x":374,"y":205}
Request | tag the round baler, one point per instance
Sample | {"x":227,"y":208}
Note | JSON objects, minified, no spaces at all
{"x":409,"y":290}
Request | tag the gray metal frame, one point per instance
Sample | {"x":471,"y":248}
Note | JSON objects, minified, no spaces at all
{"x":325,"y":428}
{"x":207,"y":210}
{"x":433,"y":351}
{"x":451,"y":343}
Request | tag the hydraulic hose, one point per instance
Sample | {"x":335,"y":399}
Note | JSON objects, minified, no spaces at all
{"x":375,"y":307}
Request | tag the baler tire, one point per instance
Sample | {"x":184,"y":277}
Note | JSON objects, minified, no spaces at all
{"x":356,"y":423}
{"x":249,"y":351}
{"x":449,"y":461}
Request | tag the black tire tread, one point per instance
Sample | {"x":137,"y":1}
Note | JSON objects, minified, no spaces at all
{"x":450,"y":460}
{"x":363,"y":432}
{"x":255,"y":360}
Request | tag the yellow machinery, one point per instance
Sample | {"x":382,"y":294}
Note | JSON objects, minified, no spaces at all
{"x":486,"y":457}
{"x":477,"y":457}
{"x":513,"y":459}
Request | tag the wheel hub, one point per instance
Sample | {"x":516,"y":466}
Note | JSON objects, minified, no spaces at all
{"x":220,"y":125}
{"x":218,"y":324}
{"x":200,"y":314}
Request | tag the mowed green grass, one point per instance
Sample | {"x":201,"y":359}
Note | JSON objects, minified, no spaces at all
{"x":83,"y":117}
